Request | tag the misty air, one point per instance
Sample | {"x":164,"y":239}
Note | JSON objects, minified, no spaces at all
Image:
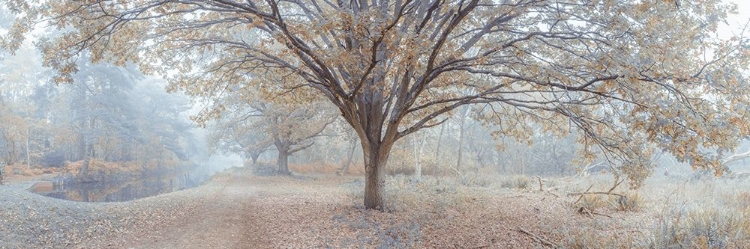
{"x":375,"y":124}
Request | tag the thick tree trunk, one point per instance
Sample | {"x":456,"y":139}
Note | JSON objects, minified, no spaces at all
{"x":374,"y":183}
{"x":254,"y":157}
{"x":376,"y":157}
{"x":84,"y":171}
{"x":283,"y":162}
{"x":377,"y":131}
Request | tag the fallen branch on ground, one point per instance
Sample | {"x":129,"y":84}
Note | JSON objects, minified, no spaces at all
{"x":595,"y":193}
{"x":609,"y":192}
{"x":553,"y":194}
{"x":579,"y":197}
{"x":538,"y":238}
{"x":591,"y":213}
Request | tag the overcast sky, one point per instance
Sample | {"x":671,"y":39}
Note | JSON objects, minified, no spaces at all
{"x":737,"y":21}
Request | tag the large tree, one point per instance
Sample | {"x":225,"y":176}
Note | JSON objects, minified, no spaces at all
{"x":253,"y":125}
{"x":238,"y":136}
{"x":629,"y":74}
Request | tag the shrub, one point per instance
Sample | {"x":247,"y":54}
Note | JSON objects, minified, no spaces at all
{"x":629,"y":202}
{"x":475,"y":180}
{"x":519,"y":182}
{"x":314,"y":167}
{"x":53,"y":159}
{"x":522,"y":182}
{"x":264,"y":169}
{"x":506,"y":184}
{"x":742,"y":199}
{"x":707,"y":228}
{"x":588,"y":204}
{"x":589,"y":237}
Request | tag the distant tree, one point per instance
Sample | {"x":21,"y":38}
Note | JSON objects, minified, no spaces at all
{"x":253,"y":123}
{"x":116,"y":114}
{"x":544,"y":154}
{"x":351,"y":139}
{"x":163,"y":115}
{"x":20,"y":78}
{"x":239,"y":136}
{"x":294,"y":127}
{"x":616,"y":70}
{"x":13,"y":134}
{"x":462,"y":127}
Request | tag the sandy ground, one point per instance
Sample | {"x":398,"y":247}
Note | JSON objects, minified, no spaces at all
{"x":238,"y":210}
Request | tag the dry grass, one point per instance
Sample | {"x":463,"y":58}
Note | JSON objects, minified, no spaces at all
{"x":25,"y":170}
{"x":674,"y":212}
{"x":325,"y":168}
{"x":270,"y":168}
{"x":630,"y":219}
{"x":711,"y":213}
{"x":108,"y":168}
{"x":517,"y":182}
{"x":703,"y":228}
{"x":95,"y":167}
{"x":629,"y":202}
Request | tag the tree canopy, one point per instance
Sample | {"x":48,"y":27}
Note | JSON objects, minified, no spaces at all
{"x":632,"y":75}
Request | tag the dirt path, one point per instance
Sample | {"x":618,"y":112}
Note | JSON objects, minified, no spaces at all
{"x":223,"y":217}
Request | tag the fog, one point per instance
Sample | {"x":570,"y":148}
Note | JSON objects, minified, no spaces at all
{"x":368,"y":124}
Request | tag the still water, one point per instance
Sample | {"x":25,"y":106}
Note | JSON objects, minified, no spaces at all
{"x":68,"y":189}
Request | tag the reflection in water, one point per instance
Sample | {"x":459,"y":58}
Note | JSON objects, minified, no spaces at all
{"x":122,"y":191}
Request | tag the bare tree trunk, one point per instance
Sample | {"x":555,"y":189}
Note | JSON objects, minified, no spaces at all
{"x":374,"y":182}
{"x":418,"y":149}
{"x":375,"y":157}
{"x":523,"y":165}
{"x":439,"y":143}
{"x":28,"y":150}
{"x":88,"y":154}
{"x":254,"y":157}
{"x":461,"y":133}
{"x":418,"y":166}
{"x":480,"y":152}
{"x":283,"y":160}
{"x":283,"y":163}
{"x":352,"y":148}
{"x":377,"y":134}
